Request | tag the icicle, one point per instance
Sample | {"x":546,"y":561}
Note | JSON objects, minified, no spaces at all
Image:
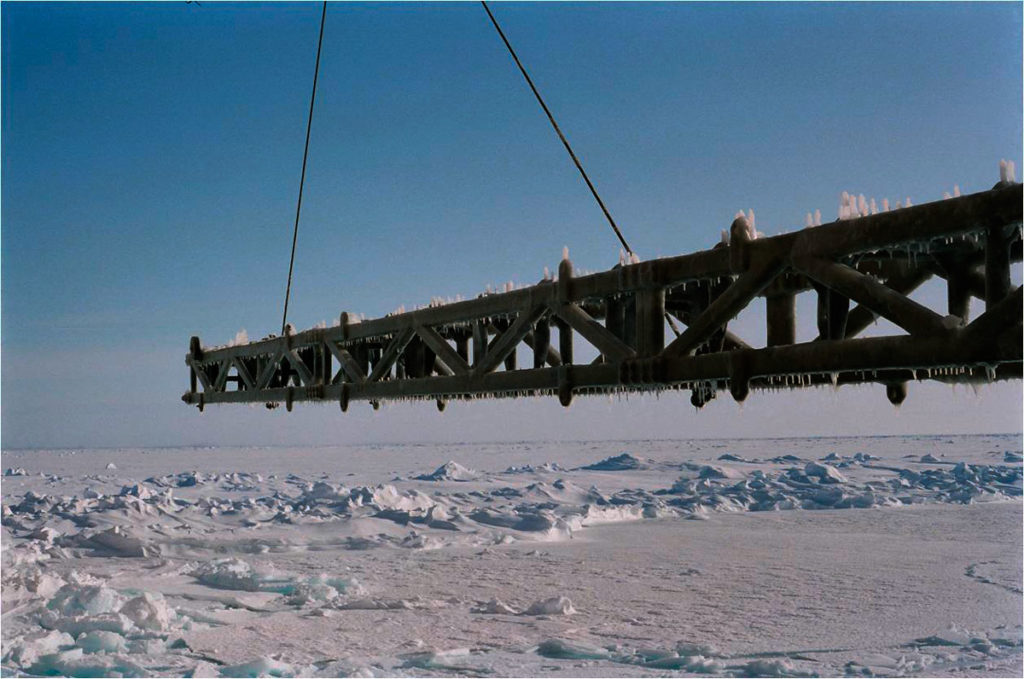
{"x":809,"y":222}
{"x":1011,"y":171}
{"x":622,"y":257}
{"x":873,"y":207}
{"x":751,"y":222}
{"x":946,"y":195}
{"x":898,"y":205}
{"x":862,"y":205}
{"x":956,"y":190}
{"x":908,"y":203}
{"x":817,"y":217}
{"x":547,"y":274}
{"x":565,"y":253}
{"x":725,"y":236}
{"x":885,"y":205}
{"x":633,"y":259}
{"x":1002,"y":171}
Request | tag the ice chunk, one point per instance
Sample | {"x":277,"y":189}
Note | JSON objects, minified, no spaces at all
{"x":102,"y":642}
{"x":82,"y":624}
{"x":558,"y":605}
{"x":769,"y":668}
{"x":31,"y":579}
{"x":496,"y":606}
{"x":714,"y":472}
{"x":228,"y":574}
{"x":149,"y":611}
{"x":136,"y":490}
{"x":117,"y":541}
{"x":964,"y":473}
{"x":74,"y":663}
{"x":261,"y":667}
{"x":321,"y":589}
{"x":45,"y":534}
{"x":564,"y":649}
{"x":28,"y":649}
{"x":688,"y":663}
{"x":824,"y":473}
{"x":618,"y":463}
{"x":73,"y":599}
{"x":206,"y":669}
{"x":321,"y":490}
{"x":691,"y":648}
{"x":449,"y":471}
{"x":436,"y":659}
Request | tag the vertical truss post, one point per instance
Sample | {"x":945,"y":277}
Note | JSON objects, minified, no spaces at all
{"x":502,"y":325}
{"x":614,"y":316}
{"x":997,"y":266}
{"x":541,"y":342}
{"x":564,"y":341}
{"x":323,"y":364}
{"x":479,"y":341}
{"x":462,"y":346}
{"x":780,"y":312}
{"x":629,"y":313}
{"x":562,"y":294}
{"x":429,"y":359}
{"x":958,"y":291}
{"x":196,"y":353}
{"x":415,"y":359}
{"x":361,"y":353}
{"x":650,"y":321}
{"x":833,"y":309}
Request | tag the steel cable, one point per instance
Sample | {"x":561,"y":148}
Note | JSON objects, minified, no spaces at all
{"x":302,"y":178}
{"x":558,"y":131}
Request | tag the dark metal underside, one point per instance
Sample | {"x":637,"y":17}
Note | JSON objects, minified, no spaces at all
{"x":858,"y":269}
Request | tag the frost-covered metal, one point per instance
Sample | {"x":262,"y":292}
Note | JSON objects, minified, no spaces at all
{"x":606,"y":332}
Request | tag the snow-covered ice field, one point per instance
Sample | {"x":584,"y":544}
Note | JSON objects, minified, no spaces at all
{"x":788,"y":557}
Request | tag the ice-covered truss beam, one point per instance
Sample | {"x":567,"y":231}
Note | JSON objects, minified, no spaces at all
{"x":615,"y":321}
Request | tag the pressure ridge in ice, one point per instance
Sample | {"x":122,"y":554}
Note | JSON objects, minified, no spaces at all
{"x":208,"y":538}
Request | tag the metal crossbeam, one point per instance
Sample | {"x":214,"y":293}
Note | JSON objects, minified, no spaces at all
{"x":968,"y":242}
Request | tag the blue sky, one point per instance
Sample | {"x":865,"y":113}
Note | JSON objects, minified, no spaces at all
{"x":151,"y":155}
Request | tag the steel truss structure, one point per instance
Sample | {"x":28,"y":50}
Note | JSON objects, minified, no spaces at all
{"x":859,"y":269}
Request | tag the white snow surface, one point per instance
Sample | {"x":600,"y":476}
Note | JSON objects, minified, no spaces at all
{"x":886,"y":556}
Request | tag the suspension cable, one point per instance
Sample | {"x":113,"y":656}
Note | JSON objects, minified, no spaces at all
{"x":302,"y":177}
{"x":558,"y":131}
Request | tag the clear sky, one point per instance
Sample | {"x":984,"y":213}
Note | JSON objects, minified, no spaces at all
{"x":151,"y":155}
